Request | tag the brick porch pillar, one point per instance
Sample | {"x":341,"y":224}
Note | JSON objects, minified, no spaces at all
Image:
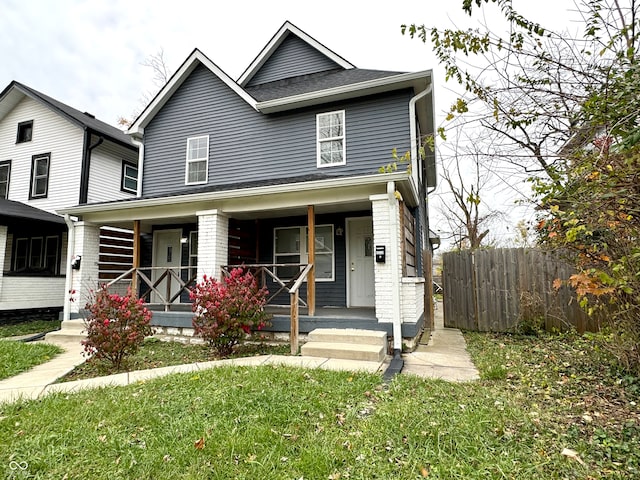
{"x":85,"y":279}
{"x":213,"y":242}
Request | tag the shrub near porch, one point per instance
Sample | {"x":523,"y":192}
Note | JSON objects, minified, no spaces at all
{"x":227,"y":311}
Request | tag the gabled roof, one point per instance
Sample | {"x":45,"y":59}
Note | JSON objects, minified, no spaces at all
{"x":338,"y":84}
{"x":19,"y":211}
{"x":287,"y":29}
{"x":177,"y":79}
{"x":16,"y":91}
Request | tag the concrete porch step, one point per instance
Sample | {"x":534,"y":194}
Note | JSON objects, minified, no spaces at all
{"x":345,"y":351}
{"x":348,"y":335}
{"x":69,"y":330}
{"x":346,"y":344}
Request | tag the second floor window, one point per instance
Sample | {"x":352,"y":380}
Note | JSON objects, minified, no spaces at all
{"x":5,"y":175}
{"x":39,"y":176}
{"x":129,"y":177}
{"x":197,"y":160}
{"x":331,"y":139}
{"x":25,"y":132}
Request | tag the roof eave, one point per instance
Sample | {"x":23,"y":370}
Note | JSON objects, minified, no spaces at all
{"x":418,"y":81}
{"x":236,"y":193}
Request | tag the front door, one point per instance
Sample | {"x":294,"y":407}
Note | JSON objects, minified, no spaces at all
{"x":360,"y":262}
{"x":166,"y":253}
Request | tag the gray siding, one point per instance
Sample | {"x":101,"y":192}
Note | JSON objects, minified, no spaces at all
{"x":247,"y":146}
{"x":292,"y":58}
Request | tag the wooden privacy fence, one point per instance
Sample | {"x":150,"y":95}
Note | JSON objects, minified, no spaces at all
{"x":505,"y":289}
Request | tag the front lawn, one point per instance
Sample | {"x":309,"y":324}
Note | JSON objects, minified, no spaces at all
{"x":545,"y":408}
{"x":28,"y":327}
{"x":18,"y":357}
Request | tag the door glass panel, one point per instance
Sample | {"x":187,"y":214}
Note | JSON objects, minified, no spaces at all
{"x":368,"y":246}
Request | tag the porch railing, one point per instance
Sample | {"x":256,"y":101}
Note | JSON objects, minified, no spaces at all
{"x":292,"y":286}
{"x":165,"y":295}
{"x":174,"y":286}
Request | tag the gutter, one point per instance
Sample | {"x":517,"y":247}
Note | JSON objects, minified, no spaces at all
{"x":86,"y":164}
{"x":140,"y":146}
{"x":71,"y":241}
{"x":375,"y":178}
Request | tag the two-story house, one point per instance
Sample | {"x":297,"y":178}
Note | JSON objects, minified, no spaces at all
{"x":281,"y":169}
{"x":51,"y":156}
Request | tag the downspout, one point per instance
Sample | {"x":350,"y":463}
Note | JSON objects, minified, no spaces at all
{"x":86,"y":165}
{"x":140,"y":146}
{"x":412,"y":123}
{"x":395,"y":268}
{"x":71,"y":240}
{"x":397,"y":363}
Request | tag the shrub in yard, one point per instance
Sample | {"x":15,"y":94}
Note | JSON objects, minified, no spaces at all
{"x":226,"y":311}
{"x":116,"y":326}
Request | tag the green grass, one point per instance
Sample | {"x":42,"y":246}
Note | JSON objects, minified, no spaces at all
{"x":154,"y":353}
{"x":18,"y":357}
{"x":28,"y":327}
{"x":275,"y":422}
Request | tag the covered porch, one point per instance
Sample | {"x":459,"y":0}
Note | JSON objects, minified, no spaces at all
{"x":332,"y":255}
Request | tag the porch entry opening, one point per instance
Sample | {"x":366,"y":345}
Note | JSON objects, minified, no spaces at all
{"x":360,"y":265}
{"x":167,"y":253}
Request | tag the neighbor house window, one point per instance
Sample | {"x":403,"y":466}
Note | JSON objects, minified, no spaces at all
{"x":39,"y":176}
{"x":331,"y":139}
{"x":5,"y":174}
{"x":292,"y":246}
{"x":25,"y":132}
{"x":129,"y":177}
{"x":37,"y":255}
{"x":197,"y":160}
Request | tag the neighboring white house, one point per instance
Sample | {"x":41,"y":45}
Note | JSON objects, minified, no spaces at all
{"x":52,"y":156}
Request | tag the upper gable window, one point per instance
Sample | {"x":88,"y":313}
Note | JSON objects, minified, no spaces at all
{"x":25,"y":132}
{"x":331,"y":139}
{"x":197,"y":160}
{"x":39,"y":176}
{"x":129,"y":177}
{"x":5,"y":175}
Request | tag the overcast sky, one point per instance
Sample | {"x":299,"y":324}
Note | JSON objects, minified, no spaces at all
{"x":88,"y":54}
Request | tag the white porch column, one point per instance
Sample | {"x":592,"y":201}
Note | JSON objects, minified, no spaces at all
{"x":213,"y":242}
{"x":3,"y":252}
{"x":388,"y":274}
{"x":85,"y":279}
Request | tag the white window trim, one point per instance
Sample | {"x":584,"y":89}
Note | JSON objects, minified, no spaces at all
{"x":188,"y":161}
{"x":35,"y":177}
{"x":343,"y":137}
{"x":7,"y":164}
{"x":304,"y":255}
{"x":126,"y":164}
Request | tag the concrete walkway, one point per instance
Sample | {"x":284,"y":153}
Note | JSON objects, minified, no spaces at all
{"x":444,"y":357}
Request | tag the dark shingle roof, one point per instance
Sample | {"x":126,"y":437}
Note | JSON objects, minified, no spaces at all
{"x":315,"y":82}
{"x":82,"y":119}
{"x":16,"y":210}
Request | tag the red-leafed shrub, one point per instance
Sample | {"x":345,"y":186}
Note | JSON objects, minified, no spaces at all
{"x":116,"y":326}
{"x":226,"y":311}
